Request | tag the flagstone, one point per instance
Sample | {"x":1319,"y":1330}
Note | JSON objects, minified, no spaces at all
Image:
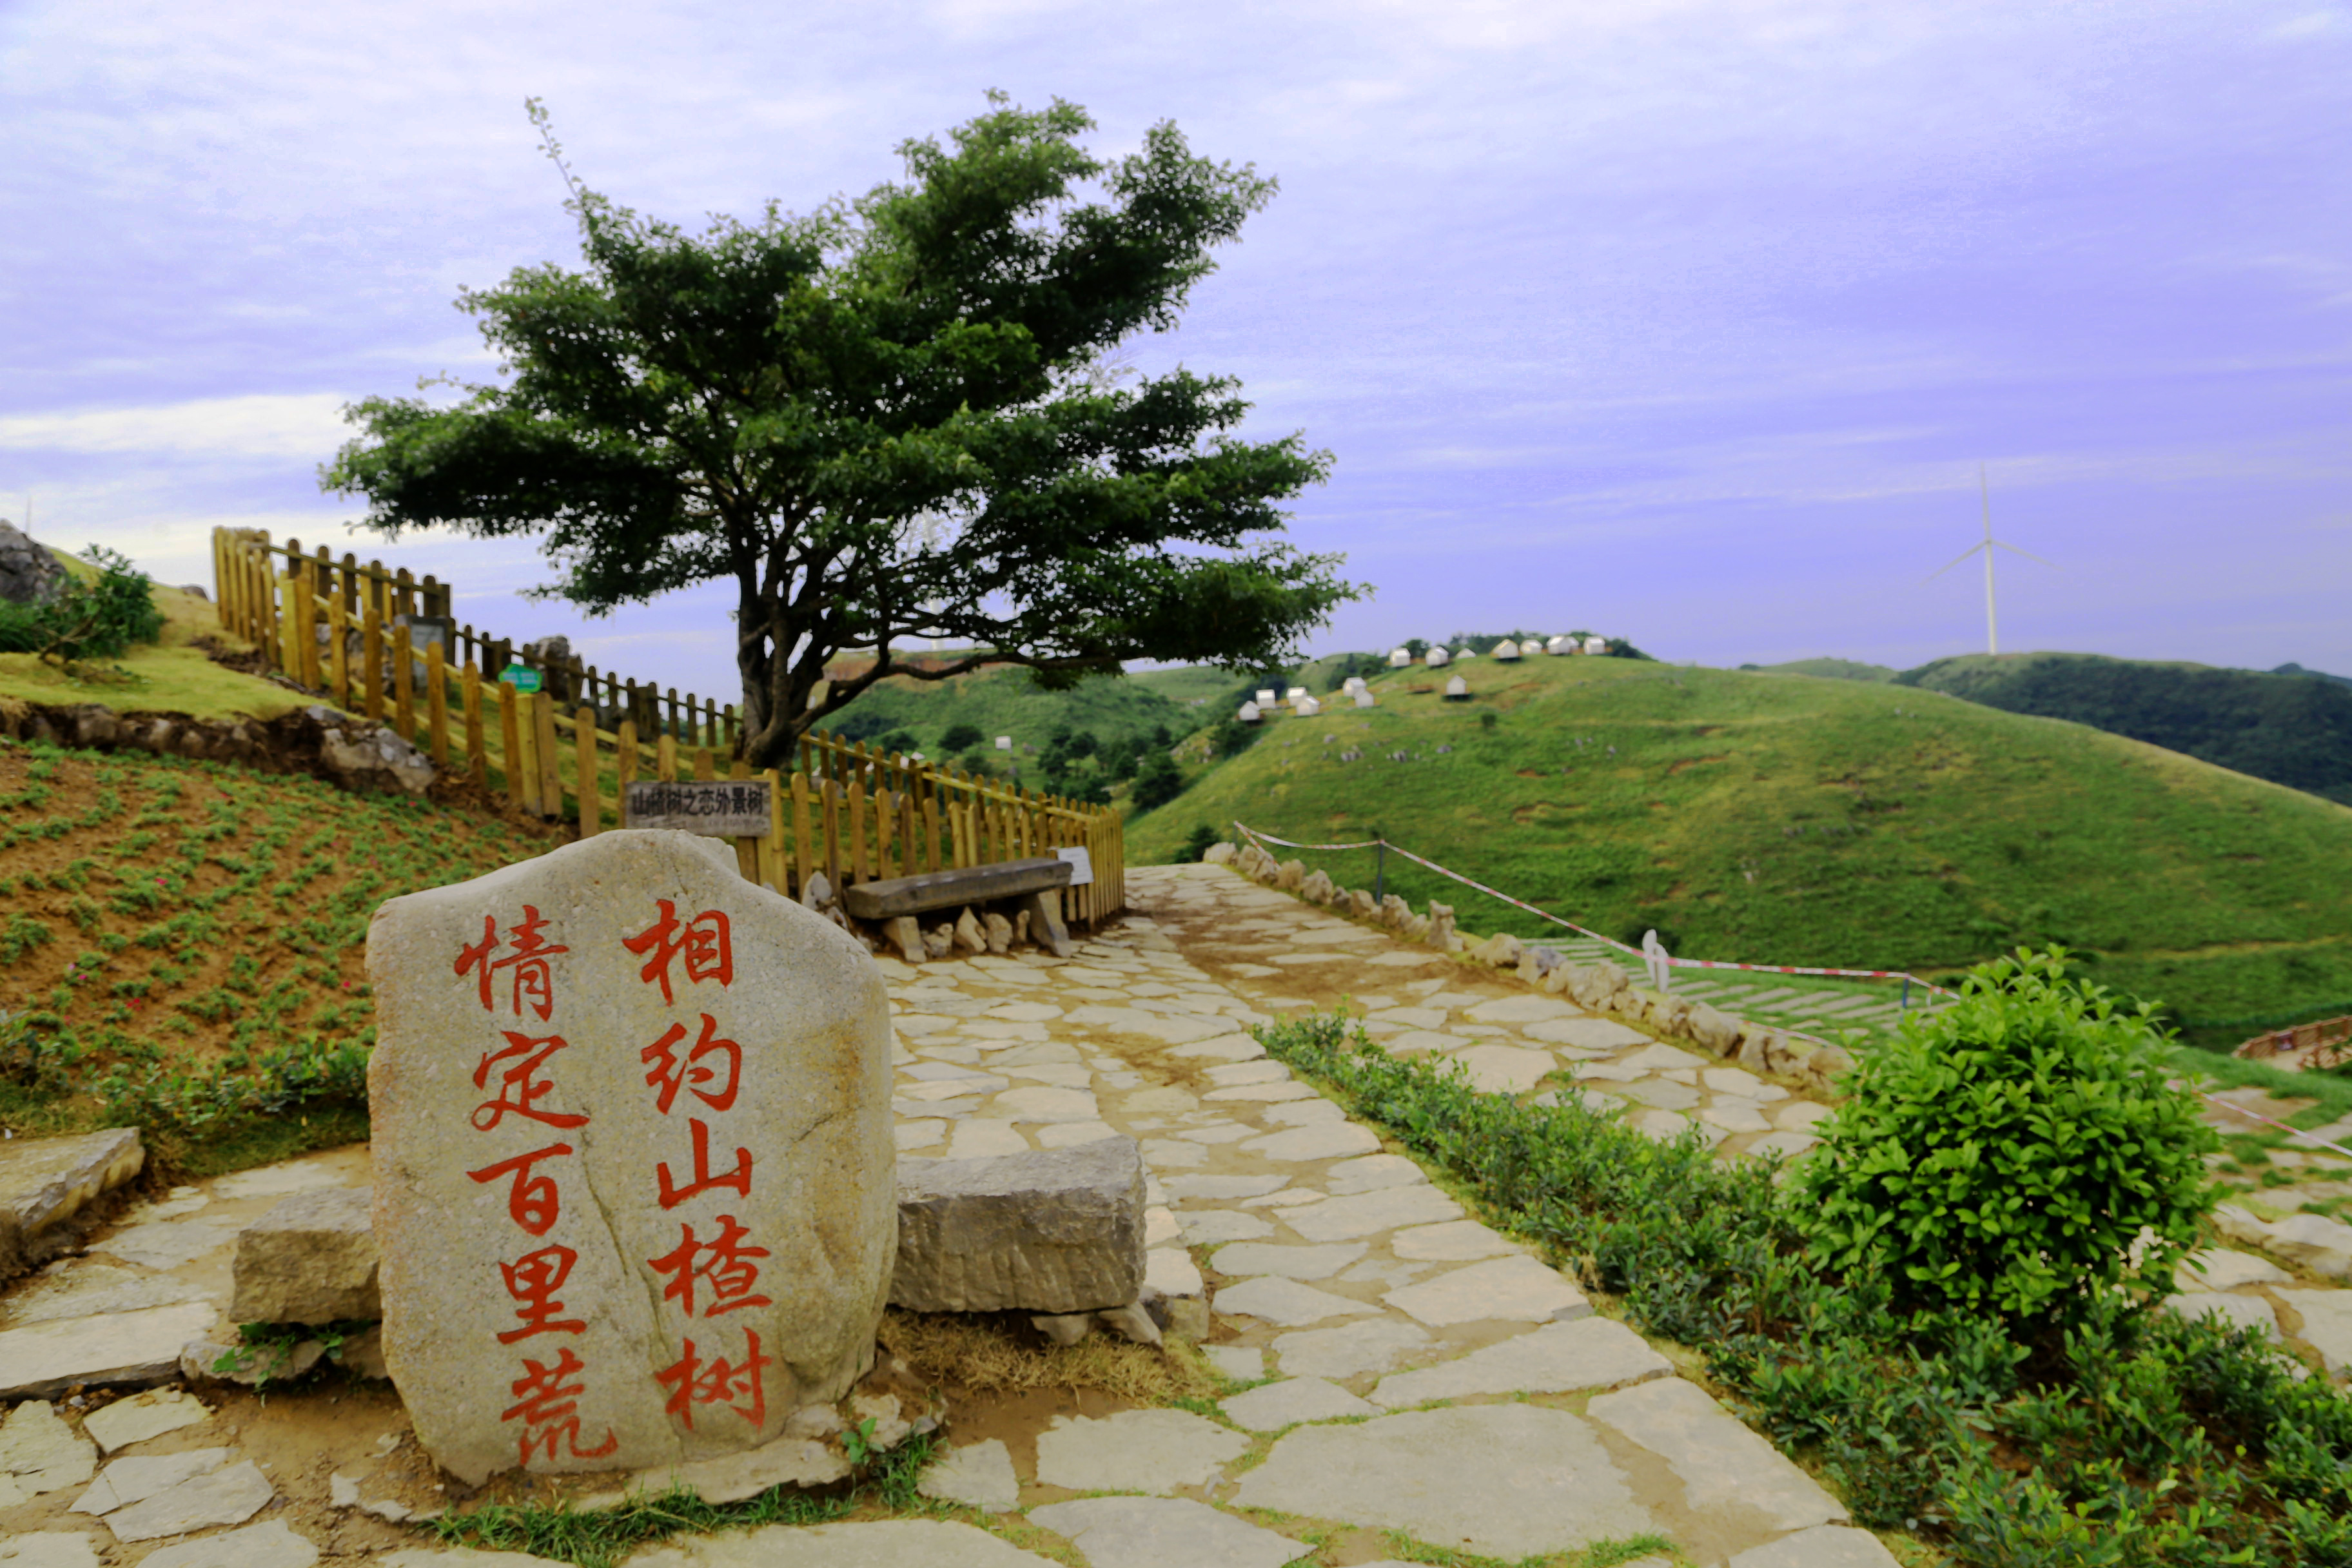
{"x":1719,"y":1461}
{"x":1247,"y":1258}
{"x":227,"y":1496}
{"x":1164,"y":1532}
{"x":1455,"y":1241}
{"x":881,"y":1543}
{"x":1585,"y":1034}
{"x":39,"y":1453}
{"x":1302,"y":1113}
{"x":49,"y":1549}
{"x":1317,"y":1141}
{"x":271,"y":1545}
{"x":1155,"y":1451}
{"x":1505,"y":1069}
{"x":978,"y":1475}
{"x":1276,"y":1405}
{"x":142,"y":1416}
{"x":1822,"y":1546}
{"x":1525,"y":1009}
{"x":1510,"y":1289}
{"x":1376,"y":1344}
{"x":1287,"y":1303}
{"x":1436,"y":1475}
{"x":1558,"y":1358}
{"x":1362,"y":1214}
{"x":1370,"y":1172}
{"x":1206,"y":1228}
{"x":1204,"y":1189}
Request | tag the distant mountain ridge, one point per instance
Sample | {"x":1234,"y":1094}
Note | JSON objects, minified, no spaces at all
{"x":2291,"y":726}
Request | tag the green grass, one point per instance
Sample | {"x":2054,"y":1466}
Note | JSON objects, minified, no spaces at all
{"x":1784,"y":819}
{"x":173,"y":676}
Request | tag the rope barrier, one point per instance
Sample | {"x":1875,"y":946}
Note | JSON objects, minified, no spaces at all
{"x":1262,"y":839}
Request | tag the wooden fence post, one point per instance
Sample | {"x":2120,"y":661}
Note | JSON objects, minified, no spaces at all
{"x":666,"y":758}
{"x":802,"y":864}
{"x":624,"y":742}
{"x":551,"y":758}
{"x":857,"y":862}
{"x":833,"y":836}
{"x":372,"y":661}
{"x":522,"y":776}
{"x":478,"y":761}
{"x":403,"y":701}
{"x":591,"y":795}
{"x":436,"y":703}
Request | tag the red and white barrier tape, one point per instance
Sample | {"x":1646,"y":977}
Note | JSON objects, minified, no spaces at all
{"x":2303,"y":1138}
{"x":1262,"y":840}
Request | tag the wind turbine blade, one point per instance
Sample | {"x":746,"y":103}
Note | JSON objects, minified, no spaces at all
{"x":2014,"y":549}
{"x":1956,"y":560}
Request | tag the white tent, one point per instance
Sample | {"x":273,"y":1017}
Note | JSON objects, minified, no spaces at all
{"x":1457,"y":686}
{"x":1294,"y":694}
{"x":1506,"y":648}
{"x":1307,"y":708}
{"x":1596,"y":644}
{"x":1352,"y":685}
{"x":1438,"y":657}
{"x":1249,"y":714}
{"x":1399,"y":658}
{"x":1561,"y":644}
{"x":1365,"y":700}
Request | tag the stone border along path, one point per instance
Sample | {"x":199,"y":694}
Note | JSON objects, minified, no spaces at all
{"x":1421,"y":1373}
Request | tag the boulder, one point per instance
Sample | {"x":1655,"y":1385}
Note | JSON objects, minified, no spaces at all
{"x":969,"y":935}
{"x":1824,"y":1067}
{"x":1000,"y":932}
{"x":1318,"y":887}
{"x":28,"y":573}
{"x":1440,"y":934}
{"x":1394,"y":912}
{"x":1054,"y":1232}
{"x":1416,"y":928}
{"x":369,"y":761}
{"x":1716,"y":1031}
{"x":312,"y":1259}
{"x":1601,"y":985}
{"x":1218,"y":855}
{"x":1502,"y":950}
{"x":1291,"y":875}
{"x":1362,"y":904}
{"x":1670,"y":1015}
{"x":632,"y":1159}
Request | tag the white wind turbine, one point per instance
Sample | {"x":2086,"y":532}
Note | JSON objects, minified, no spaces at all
{"x":1992,"y":633}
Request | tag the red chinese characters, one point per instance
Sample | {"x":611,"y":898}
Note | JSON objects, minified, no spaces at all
{"x":549,"y":1408}
{"x":520,"y":1079}
{"x":533,"y":978}
{"x":714,"y":1269}
{"x":669,"y":1074}
{"x":723,"y":1265}
{"x":703,"y":941}
{"x":694,"y":1379}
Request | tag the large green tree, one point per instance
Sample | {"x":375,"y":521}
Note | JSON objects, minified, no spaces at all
{"x":886,"y":421}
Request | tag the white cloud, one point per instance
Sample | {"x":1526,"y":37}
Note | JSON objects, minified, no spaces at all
{"x":305,"y":424}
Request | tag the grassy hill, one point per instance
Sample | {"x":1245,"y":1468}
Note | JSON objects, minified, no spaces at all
{"x":1798,"y":820}
{"x":2293,"y":729}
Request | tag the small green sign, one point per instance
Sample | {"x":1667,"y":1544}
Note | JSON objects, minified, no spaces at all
{"x":519,"y":677}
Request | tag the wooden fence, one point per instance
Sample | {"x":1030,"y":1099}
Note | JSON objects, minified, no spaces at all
{"x":382,"y":644}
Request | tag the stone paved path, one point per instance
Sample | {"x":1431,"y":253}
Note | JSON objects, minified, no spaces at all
{"x":1413,"y":1370}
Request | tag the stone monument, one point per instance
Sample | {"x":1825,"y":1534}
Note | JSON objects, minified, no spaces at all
{"x":634,"y":1168}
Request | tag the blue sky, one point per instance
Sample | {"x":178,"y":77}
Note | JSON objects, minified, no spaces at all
{"x":1688,"y":322}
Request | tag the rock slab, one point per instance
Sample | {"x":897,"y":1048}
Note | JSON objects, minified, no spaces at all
{"x":271,"y":1545}
{"x":39,"y":1453}
{"x":143,"y":1346}
{"x":885,"y":1543}
{"x":1719,"y":1461}
{"x":978,"y":1475}
{"x":1159,"y":1532}
{"x":46,"y":1179}
{"x":633,"y":1158}
{"x":1558,"y":1358}
{"x":1437,"y":1475}
{"x":1060,"y":1230}
{"x":1155,"y":1451}
{"x":312,"y":1259}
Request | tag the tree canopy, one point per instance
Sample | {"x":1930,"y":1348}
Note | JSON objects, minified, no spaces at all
{"x":886,"y":421}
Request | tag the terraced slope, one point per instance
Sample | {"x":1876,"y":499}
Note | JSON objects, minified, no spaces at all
{"x":1798,"y":820}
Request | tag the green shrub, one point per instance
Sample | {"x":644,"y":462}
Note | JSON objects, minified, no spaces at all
{"x":1156,"y":782}
{"x":87,"y":620}
{"x":2005,"y":1154}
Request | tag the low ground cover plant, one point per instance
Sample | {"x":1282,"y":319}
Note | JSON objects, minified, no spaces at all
{"x":97,"y":617}
{"x":2102,"y":1433}
{"x":181,"y":945}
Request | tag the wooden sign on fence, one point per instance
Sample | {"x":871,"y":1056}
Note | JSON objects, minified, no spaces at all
{"x":720,"y":808}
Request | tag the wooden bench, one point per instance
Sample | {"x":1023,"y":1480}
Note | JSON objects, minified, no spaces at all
{"x":894,"y":901}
